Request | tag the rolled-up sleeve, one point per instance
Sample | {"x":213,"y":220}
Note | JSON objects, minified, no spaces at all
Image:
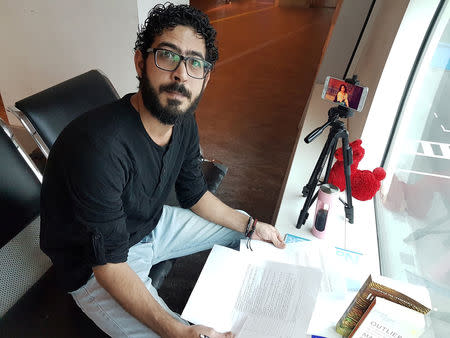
{"x":191,"y":185}
{"x":95,"y":180}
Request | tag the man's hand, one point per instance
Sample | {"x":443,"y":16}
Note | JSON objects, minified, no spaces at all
{"x":214,"y":210}
{"x":198,"y":331}
{"x":268,"y":233}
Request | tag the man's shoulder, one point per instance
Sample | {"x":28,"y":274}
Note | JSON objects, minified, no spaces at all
{"x":109,"y":117}
{"x":107,"y":122}
{"x":102,"y":131}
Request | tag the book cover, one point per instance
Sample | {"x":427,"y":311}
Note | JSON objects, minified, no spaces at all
{"x":386,"y":319}
{"x":382,"y":287}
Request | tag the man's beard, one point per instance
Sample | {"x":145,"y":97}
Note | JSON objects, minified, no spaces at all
{"x":171,"y":113}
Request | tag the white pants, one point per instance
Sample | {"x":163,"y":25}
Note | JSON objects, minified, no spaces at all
{"x":179,"y":232}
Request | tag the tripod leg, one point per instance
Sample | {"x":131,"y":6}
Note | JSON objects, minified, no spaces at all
{"x":308,"y":190}
{"x":330,"y":160}
{"x":348,"y":160}
{"x":318,"y":168}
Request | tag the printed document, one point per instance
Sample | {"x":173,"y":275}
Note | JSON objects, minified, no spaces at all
{"x":253,"y":297}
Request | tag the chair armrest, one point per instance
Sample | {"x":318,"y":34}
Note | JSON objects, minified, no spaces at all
{"x":22,"y":153}
{"x":31,"y":130}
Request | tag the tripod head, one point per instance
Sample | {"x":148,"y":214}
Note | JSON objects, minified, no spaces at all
{"x":333,"y":115}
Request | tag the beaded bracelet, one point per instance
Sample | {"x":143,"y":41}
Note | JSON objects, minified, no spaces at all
{"x":249,"y":224}
{"x":250,"y":233}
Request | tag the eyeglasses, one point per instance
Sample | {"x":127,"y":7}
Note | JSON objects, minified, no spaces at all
{"x":167,"y":60}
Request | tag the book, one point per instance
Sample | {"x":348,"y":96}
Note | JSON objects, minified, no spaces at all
{"x":386,"y":288}
{"x":386,"y":319}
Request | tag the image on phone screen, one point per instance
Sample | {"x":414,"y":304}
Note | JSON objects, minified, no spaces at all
{"x":344,"y":93}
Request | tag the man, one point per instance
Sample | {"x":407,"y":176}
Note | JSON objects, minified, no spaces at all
{"x":109,"y":173}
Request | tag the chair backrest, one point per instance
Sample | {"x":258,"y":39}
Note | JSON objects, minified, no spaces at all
{"x":52,"y":109}
{"x":22,"y":262}
{"x":19,"y":188}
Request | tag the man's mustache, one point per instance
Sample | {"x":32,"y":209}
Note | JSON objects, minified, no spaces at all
{"x":175,"y":87}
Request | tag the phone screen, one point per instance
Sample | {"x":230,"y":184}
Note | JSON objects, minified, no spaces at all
{"x":344,"y":93}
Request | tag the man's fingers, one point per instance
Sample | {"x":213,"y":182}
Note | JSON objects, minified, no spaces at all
{"x":224,"y":335}
{"x":269,"y":233}
{"x":277,"y":240}
{"x":278,"y":243}
{"x":201,"y":331}
{"x":280,"y":238}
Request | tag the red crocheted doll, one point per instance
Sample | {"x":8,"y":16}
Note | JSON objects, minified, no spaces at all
{"x":364,"y":183}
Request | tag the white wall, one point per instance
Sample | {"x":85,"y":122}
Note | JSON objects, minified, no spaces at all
{"x":383,"y":62}
{"x":372,"y":53}
{"x":370,"y":59}
{"x":345,"y":33}
{"x":44,"y":42}
{"x":368,"y":63}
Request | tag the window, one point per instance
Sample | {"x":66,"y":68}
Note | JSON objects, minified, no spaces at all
{"x":413,"y":209}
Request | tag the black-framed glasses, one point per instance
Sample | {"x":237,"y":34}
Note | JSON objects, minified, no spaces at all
{"x":168,"y":60}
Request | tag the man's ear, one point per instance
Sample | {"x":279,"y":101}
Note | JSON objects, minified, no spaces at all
{"x":205,"y":81}
{"x":139,"y":63}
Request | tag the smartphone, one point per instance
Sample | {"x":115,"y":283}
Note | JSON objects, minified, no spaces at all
{"x":344,"y":93}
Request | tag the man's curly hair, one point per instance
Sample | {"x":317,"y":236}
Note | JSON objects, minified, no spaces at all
{"x":169,"y":16}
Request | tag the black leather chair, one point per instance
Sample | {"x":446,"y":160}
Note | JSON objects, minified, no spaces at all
{"x":30,"y":304}
{"x":46,"y":113}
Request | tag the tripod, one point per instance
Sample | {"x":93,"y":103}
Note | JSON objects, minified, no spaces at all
{"x":337,"y":132}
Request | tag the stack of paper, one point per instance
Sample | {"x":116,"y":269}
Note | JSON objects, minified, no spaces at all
{"x":253,"y":296}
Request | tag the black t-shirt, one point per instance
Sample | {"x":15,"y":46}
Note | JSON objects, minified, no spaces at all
{"x":105,"y":184}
